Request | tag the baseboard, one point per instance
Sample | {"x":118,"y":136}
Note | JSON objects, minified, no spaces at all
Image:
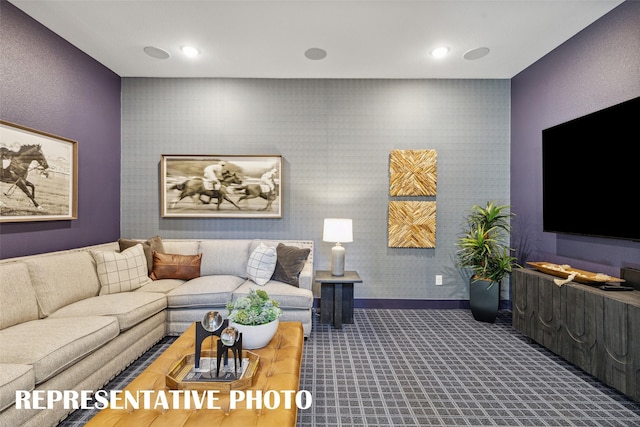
{"x":414,"y":304}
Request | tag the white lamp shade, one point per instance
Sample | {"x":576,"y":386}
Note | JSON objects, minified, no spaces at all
{"x":338,"y":230}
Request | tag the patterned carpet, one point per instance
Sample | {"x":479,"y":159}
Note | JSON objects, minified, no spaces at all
{"x":435,"y":368}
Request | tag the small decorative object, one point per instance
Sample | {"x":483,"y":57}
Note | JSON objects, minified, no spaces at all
{"x":211,"y":321}
{"x":211,"y":324}
{"x":337,"y":230}
{"x":256,"y":317}
{"x":229,"y":336}
{"x":257,"y":336}
{"x":182,"y":375}
{"x":483,"y":246}
{"x":230,"y":339}
{"x":581,"y":276}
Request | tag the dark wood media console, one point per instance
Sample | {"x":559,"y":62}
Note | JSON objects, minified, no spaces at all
{"x":596,"y":330}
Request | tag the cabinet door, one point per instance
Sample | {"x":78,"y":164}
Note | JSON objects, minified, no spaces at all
{"x":537,"y":308}
{"x":548,"y":319}
{"x":579,"y":331}
{"x":522,"y":301}
{"x":615,"y":362}
{"x":634,"y":338}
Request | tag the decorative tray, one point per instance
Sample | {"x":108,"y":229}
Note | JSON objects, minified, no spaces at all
{"x":565,"y":271}
{"x":183,"y":376}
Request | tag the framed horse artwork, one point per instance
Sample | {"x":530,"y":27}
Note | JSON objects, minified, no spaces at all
{"x":39,"y":175}
{"x":221,"y":186}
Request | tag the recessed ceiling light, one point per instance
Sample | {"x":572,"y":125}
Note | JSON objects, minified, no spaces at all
{"x":440,"y":52}
{"x":315,"y":53}
{"x":190,"y":51}
{"x":477,"y":53}
{"x":156,"y":52}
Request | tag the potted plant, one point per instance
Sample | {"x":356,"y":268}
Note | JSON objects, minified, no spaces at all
{"x":256,"y":316}
{"x":483,"y":246}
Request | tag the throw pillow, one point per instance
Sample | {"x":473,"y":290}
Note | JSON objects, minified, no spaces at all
{"x":121,"y":271}
{"x":153,"y":244}
{"x":290,"y":263}
{"x":175,"y":266}
{"x":262,"y":263}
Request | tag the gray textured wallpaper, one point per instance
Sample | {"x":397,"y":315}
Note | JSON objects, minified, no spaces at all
{"x":335,"y":137}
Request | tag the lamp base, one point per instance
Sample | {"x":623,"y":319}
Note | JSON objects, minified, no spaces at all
{"x":337,"y":260}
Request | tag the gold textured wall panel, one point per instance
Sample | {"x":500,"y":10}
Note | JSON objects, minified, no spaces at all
{"x":412,"y":224}
{"x":413,"y":173}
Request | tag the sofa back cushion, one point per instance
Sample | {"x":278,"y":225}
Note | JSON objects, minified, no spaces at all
{"x":225,"y":256}
{"x":181,"y":247}
{"x":62,"y":279}
{"x":18,"y":302}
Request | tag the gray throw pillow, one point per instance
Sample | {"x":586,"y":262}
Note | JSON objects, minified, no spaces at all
{"x":289,"y":263}
{"x":153,"y":244}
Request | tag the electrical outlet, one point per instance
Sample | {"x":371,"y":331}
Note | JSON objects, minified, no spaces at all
{"x":438,"y":279}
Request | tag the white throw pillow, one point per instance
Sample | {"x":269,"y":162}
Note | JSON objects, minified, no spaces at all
{"x":121,"y":271}
{"x":262,"y":263}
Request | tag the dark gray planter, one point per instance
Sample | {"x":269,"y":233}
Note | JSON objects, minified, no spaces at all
{"x":484,"y":299}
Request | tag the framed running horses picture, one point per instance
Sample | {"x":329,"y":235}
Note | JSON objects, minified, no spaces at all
{"x":39,"y":175}
{"x":221,"y":186}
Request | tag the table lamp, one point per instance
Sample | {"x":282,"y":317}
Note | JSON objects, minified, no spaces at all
{"x":337,"y":230}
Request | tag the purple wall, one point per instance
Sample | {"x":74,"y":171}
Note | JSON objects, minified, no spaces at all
{"x":597,"y":68}
{"x":49,"y":85}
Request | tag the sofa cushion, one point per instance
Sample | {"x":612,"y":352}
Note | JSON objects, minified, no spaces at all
{"x":14,"y":377}
{"x":261,"y":264}
{"x":290,"y":263}
{"x":182,"y":247}
{"x":174,"y":266}
{"x":130,"y":308}
{"x":153,"y":244}
{"x":61,"y":279}
{"x":225,"y":257}
{"x":121,"y":271}
{"x":288,"y":297}
{"x":205,"y":291}
{"x":161,"y":285}
{"x":17,"y":298}
{"x":52,"y":345}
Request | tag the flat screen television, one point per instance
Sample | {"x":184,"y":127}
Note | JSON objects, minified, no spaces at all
{"x":591,"y":174}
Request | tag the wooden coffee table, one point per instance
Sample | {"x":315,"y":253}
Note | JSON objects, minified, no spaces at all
{"x":279,"y":369}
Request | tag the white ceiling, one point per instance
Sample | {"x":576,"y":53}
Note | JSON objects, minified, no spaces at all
{"x":363,"y":38}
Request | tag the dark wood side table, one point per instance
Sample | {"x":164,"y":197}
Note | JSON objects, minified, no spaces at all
{"x":336,"y":297}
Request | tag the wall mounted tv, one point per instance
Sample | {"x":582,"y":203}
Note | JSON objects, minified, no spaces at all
{"x":591,"y":174}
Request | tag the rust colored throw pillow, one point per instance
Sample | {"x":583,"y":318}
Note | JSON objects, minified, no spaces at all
{"x":174,"y":266}
{"x":289,"y":263}
{"x":153,"y":244}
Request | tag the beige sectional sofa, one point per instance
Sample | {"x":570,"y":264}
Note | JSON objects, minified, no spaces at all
{"x":61,"y":329}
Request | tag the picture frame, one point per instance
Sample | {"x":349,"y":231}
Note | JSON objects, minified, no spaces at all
{"x":38,"y":175}
{"x":220,"y":186}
